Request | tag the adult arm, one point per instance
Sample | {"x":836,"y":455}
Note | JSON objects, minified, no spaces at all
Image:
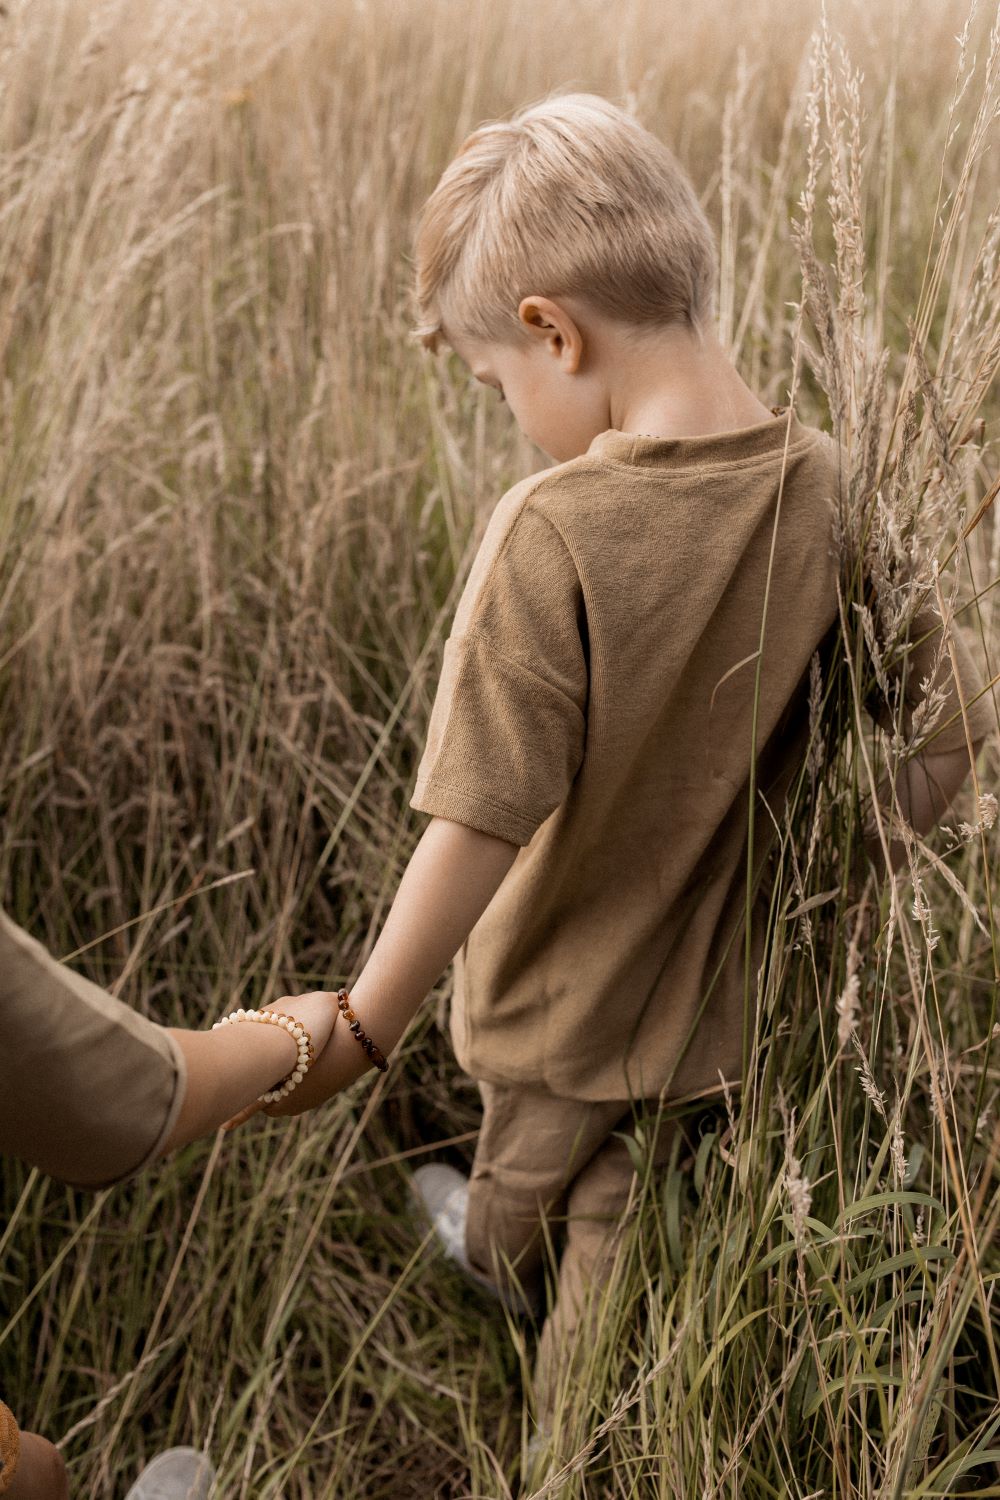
{"x":447,"y":885}
{"x":94,"y":1092}
{"x":230,"y":1068}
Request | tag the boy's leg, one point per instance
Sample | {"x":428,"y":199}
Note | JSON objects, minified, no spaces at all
{"x":595,"y":1203}
{"x":531,"y":1146}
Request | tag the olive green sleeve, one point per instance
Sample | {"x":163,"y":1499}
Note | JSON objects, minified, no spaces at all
{"x":90,"y":1088}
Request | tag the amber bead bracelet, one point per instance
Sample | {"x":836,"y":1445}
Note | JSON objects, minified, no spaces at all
{"x":375,"y":1053}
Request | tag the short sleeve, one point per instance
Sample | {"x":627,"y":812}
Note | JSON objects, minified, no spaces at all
{"x":508,"y":725}
{"x":911,"y":667}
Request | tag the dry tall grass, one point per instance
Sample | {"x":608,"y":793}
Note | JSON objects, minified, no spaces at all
{"x":237,"y":506}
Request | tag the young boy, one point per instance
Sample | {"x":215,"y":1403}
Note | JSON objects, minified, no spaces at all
{"x":589,"y":753}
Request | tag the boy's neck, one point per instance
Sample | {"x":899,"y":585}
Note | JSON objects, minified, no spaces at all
{"x":676,"y":384}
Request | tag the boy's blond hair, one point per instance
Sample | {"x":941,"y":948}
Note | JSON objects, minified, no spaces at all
{"x":570,"y":197}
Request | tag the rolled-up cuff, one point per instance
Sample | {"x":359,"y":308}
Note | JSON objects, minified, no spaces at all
{"x":90,"y":1088}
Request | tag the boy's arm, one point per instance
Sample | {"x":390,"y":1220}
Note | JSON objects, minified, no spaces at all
{"x":926,"y":783}
{"x":925,"y":786}
{"x":447,"y":885}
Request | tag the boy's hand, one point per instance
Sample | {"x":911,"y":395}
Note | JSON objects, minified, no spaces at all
{"x":316,"y":1010}
{"x":343,"y":1060}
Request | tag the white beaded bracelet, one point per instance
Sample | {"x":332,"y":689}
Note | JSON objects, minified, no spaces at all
{"x":298,"y":1033}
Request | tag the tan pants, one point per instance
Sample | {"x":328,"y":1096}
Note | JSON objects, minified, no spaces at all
{"x":548,"y":1169}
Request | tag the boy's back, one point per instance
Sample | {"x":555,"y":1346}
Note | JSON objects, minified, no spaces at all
{"x":591,"y":746}
{"x":596,"y":707}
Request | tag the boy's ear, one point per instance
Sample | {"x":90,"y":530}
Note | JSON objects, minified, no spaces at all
{"x":551,"y":324}
{"x":535,"y":312}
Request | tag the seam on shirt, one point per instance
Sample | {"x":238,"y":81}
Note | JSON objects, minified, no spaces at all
{"x":512,"y":661}
{"x":504,"y":541}
{"x":180,"y":1089}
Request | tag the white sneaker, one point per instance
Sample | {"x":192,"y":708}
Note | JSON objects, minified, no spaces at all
{"x":442,"y":1193}
{"x":174,"y":1474}
{"x":538,"y":1451}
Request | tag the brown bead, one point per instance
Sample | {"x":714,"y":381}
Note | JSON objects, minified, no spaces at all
{"x":371,"y":1050}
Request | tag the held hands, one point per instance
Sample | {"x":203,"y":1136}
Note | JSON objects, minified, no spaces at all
{"x":342,"y":1061}
{"x":317,"y":1012}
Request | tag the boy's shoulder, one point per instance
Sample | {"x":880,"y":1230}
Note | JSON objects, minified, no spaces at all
{"x":528,"y":535}
{"x":549,"y":492}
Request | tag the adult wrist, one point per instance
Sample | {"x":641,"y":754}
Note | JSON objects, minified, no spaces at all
{"x":273,"y":1045}
{"x":305,"y":1052}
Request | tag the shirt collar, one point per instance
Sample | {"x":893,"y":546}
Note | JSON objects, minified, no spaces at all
{"x":735,"y":447}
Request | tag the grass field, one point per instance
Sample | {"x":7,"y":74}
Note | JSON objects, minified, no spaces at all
{"x":237,"y":505}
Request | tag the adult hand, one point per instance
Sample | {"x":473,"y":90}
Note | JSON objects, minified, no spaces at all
{"x":317,"y":1012}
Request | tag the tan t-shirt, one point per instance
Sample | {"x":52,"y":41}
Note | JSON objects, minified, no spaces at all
{"x":90,"y":1088}
{"x":595,"y":708}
